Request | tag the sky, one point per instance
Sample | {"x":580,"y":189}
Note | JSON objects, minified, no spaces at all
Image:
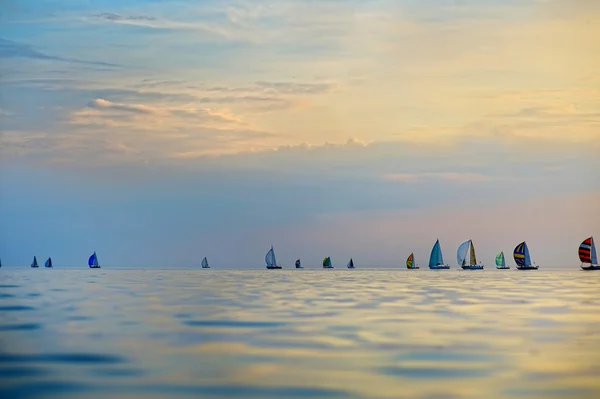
{"x":156,"y":133}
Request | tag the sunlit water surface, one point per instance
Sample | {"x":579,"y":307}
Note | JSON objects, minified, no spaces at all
{"x":299,"y":333}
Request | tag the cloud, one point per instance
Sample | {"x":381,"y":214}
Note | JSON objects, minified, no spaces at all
{"x":12,"y":49}
{"x":116,"y":17}
{"x":459,"y":177}
{"x":295,"y":88}
{"x":104,"y":104}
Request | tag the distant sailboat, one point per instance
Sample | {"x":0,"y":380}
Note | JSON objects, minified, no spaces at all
{"x":461,"y":256}
{"x":350,"y":264}
{"x":436,"y":260}
{"x":410,"y":262}
{"x":0,"y":262}
{"x":93,"y":261}
{"x":587,"y":254}
{"x":34,"y":263}
{"x":48,"y":262}
{"x":500,"y":262}
{"x":522,"y":258}
{"x":205,"y":263}
{"x":327,"y":263}
{"x":270,"y":260}
{"x":298,"y":264}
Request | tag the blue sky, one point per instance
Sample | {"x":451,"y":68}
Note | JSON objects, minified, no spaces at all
{"x":159,"y":132}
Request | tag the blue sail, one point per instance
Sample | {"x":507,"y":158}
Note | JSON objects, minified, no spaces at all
{"x":436,"y":257}
{"x":34,"y":263}
{"x":527,"y":257}
{"x":270,"y":258}
{"x":93,"y":260}
{"x":521,"y":255}
{"x":48,"y":262}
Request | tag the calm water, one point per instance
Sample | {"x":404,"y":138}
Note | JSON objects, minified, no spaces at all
{"x":299,"y":333}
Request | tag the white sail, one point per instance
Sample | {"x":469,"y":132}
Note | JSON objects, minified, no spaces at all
{"x":270,"y":258}
{"x":461,"y":254}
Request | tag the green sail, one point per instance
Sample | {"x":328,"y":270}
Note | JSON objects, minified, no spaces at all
{"x":500,"y":259}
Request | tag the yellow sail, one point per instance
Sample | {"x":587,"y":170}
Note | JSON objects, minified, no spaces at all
{"x":472,"y":255}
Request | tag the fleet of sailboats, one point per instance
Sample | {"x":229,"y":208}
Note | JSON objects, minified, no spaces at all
{"x":461,"y":256}
{"x":465,"y":256}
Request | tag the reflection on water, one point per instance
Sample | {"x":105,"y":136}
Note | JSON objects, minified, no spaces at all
{"x":299,"y":334}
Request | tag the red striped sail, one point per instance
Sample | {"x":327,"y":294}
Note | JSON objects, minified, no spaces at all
{"x":585,"y":251}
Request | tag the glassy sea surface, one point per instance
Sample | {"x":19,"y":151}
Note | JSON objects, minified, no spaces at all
{"x":299,"y":333}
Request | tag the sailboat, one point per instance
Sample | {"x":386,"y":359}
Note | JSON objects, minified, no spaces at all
{"x":522,"y":258}
{"x":93,"y":261}
{"x":34,"y":263}
{"x":587,"y":254}
{"x":410,"y":262}
{"x":0,"y":262}
{"x":436,"y":260}
{"x":461,"y":256}
{"x":500,"y":262}
{"x":298,"y":264}
{"x":327,"y":263}
{"x":350,"y":264}
{"x":270,"y":260}
{"x":205,"y":263}
{"x":48,"y":262}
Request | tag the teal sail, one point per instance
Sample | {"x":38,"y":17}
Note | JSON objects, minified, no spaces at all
{"x":500,"y":261}
{"x":205,"y":263}
{"x":48,"y":262}
{"x":436,"y":259}
{"x":327,"y":263}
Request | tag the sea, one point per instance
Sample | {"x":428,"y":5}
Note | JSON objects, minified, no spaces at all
{"x":119,"y":333}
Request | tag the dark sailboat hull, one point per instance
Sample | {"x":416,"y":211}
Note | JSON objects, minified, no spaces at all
{"x":472,"y":267}
{"x":273,"y":267}
{"x":590,"y":267}
{"x":527,"y":267}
